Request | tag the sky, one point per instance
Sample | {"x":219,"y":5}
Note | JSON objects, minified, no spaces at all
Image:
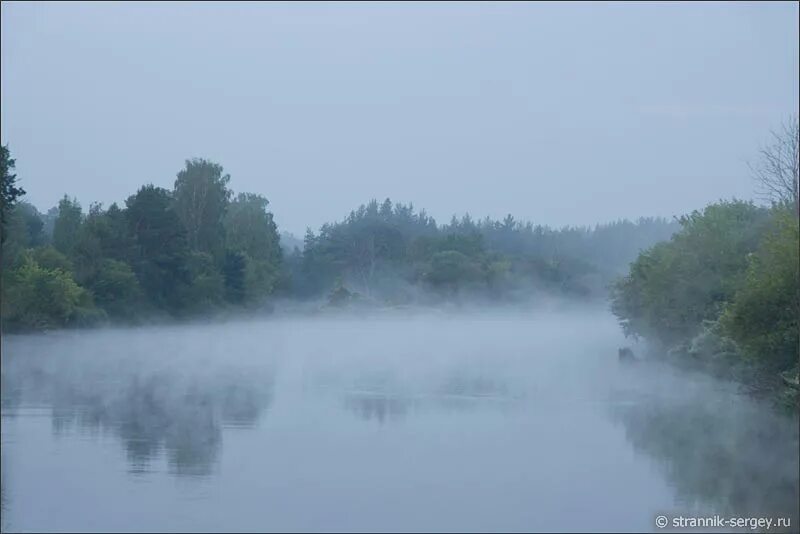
{"x":558,"y":113}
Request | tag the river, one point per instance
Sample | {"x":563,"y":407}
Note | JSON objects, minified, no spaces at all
{"x":493,"y":421}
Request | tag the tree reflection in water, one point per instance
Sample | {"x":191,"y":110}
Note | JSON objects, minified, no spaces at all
{"x":376,"y":406}
{"x":180,"y":413}
{"x":723,"y":455}
{"x":459,"y":390}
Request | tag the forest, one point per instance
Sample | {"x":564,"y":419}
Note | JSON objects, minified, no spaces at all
{"x":199,"y":248}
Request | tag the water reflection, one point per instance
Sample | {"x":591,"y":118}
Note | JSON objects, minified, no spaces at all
{"x":727,"y":455}
{"x":460,"y":390}
{"x":180,"y":414}
{"x":321,"y":431}
{"x":470,"y":384}
{"x":377,"y":407}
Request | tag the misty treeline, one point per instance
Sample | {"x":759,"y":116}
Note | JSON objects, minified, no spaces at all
{"x":723,"y":293}
{"x":200,"y":248}
{"x":164,"y":252}
{"x":389,"y":252}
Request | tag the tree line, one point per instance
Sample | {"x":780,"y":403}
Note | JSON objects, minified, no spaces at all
{"x":199,"y":248}
{"x":164,"y":252}
{"x":390,"y":252}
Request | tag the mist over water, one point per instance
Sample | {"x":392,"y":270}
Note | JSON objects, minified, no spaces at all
{"x":516,"y":420}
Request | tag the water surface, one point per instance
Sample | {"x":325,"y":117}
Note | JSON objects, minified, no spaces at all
{"x":478,"y":422}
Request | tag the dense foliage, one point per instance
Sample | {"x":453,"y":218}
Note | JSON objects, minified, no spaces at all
{"x":675,"y":285}
{"x":723,"y":293}
{"x":165,"y":252}
{"x":391,"y":253}
{"x":762,"y":318}
{"x":9,"y":191}
{"x":198,"y":248}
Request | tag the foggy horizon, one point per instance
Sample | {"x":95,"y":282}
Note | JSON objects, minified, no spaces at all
{"x":560,"y":114}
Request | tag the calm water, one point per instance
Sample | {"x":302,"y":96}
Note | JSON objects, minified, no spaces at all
{"x":428,"y":422}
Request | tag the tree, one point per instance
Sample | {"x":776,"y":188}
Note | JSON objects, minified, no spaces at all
{"x":250,"y":228}
{"x":676,"y":285}
{"x":207,"y":288}
{"x":67,"y":225}
{"x":32,"y":222}
{"x":115,"y":288}
{"x":452,"y":270}
{"x":23,"y":229}
{"x":103,"y":235}
{"x":777,"y":169}
{"x":87,"y":253}
{"x":235,"y":272}
{"x":9,"y":191}
{"x":201,"y":198}
{"x":159,"y":256}
{"x":367,"y":248}
{"x":153,"y":223}
{"x":115,"y":239}
{"x":97,"y":256}
{"x":251,"y":231}
{"x":49,"y":258}
{"x":763,"y":315}
{"x":49,"y":220}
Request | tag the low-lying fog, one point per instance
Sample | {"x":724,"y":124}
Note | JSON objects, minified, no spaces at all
{"x":501,"y":421}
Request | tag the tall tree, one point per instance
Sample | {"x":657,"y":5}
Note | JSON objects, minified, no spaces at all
{"x":201,"y":197}
{"x":99,"y":257}
{"x":9,"y":191}
{"x":160,"y":246}
{"x":67,"y":225}
{"x":23,"y":228}
{"x":251,"y":231}
{"x":250,"y":228}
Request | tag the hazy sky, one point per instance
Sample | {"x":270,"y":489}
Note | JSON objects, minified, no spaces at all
{"x":557,"y":113}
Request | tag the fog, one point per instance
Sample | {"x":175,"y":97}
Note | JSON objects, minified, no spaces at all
{"x":493,"y":420}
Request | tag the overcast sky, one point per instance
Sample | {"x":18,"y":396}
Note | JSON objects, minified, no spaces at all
{"x":556,"y":113}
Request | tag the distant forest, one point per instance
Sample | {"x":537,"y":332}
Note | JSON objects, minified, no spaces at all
{"x":199,"y":248}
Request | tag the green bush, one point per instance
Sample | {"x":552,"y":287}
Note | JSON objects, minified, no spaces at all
{"x":35,"y":297}
{"x":676,"y":285}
